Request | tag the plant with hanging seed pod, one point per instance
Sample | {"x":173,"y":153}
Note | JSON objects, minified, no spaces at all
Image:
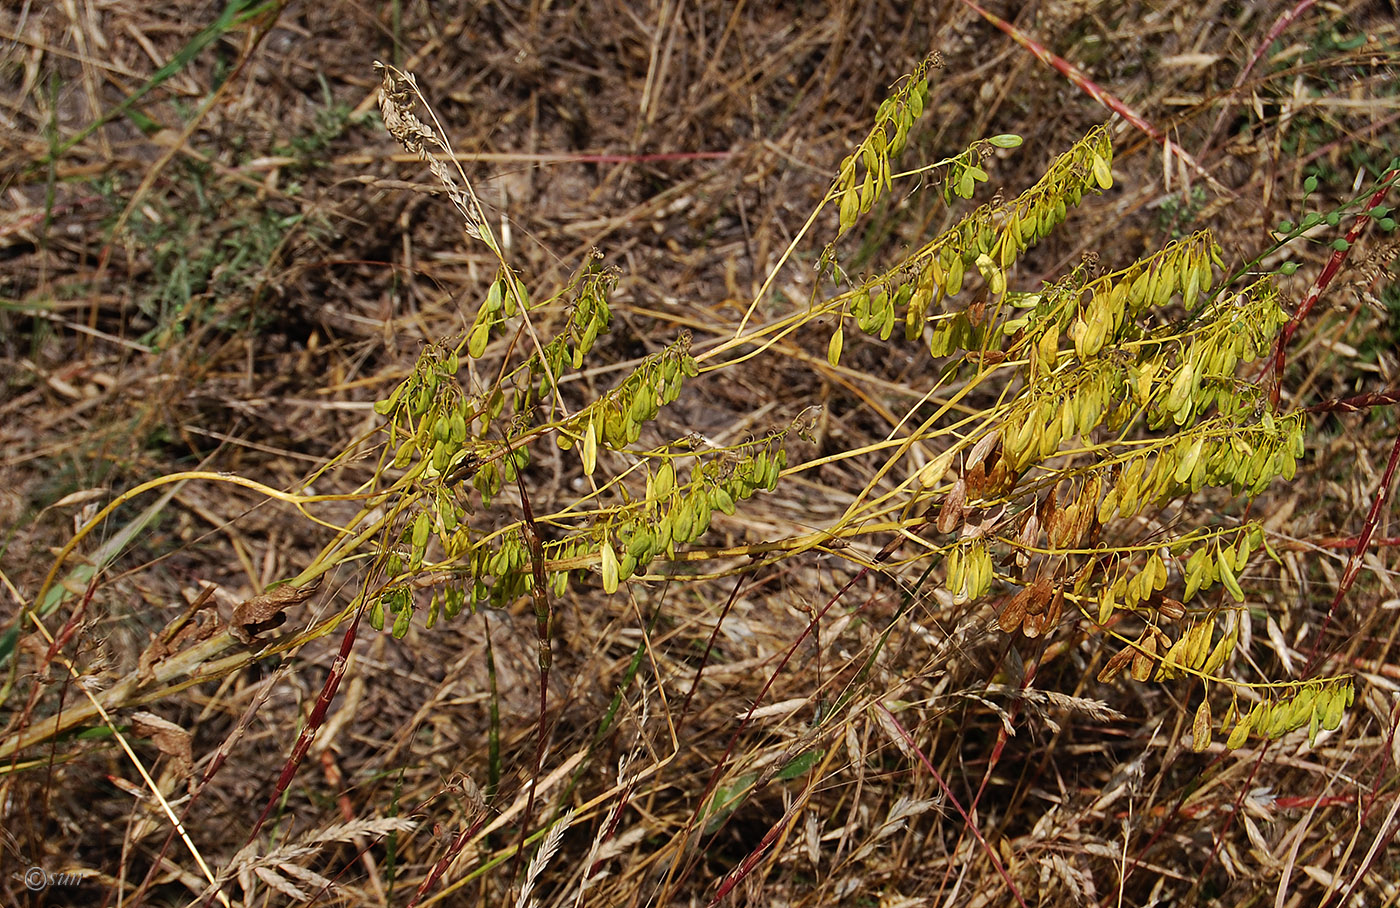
{"x":1056,"y":417}
{"x":1104,"y":394}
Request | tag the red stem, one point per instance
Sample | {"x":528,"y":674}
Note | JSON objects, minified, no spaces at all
{"x":1277,"y":359}
{"x":943,"y":786}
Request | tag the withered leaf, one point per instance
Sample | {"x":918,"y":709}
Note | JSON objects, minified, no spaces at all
{"x":169,"y":738}
{"x":194,"y":624}
{"x":263,"y":613}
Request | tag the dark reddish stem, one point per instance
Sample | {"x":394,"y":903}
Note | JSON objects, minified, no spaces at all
{"x":1357,"y":403}
{"x":1277,"y":359}
{"x":1363,"y":541}
{"x":1067,"y":69}
{"x":539,"y":594}
{"x":1082,"y":81}
{"x":458,"y":843}
{"x":947,"y":793}
{"x":313,"y":724}
{"x":1284,"y":20}
{"x":880,"y":557}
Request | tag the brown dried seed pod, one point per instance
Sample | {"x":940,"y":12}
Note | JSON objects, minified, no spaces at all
{"x":1115,"y":665}
{"x":951,"y":514}
{"x":1030,"y":532}
{"x":1143,"y":652}
{"x":1169,"y":608}
{"x":978,"y":455}
{"x":1040,"y":593}
{"x":976,"y":481}
{"x":1056,"y":608}
{"x":1014,"y":612}
{"x":1200,"y":727}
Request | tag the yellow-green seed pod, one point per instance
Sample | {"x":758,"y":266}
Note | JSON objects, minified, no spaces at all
{"x":887,"y":317}
{"x":610,"y":568}
{"x":1228,"y":580}
{"x":985,"y":573}
{"x":1186,"y":465}
{"x":639,"y":411}
{"x":702,"y":522}
{"x":1106,"y":603}
{"x":1137,"y":290}
{"x":1191,"y":291}
{"x":422,"y":527}
{"x":918,"y":309}
{"x":1049,"y":346}
{"x":1103,"y":174}
{"x":720,"y":498}
{"x":495,"y":295}
{"x":1239,"y":734}
{"x":1220,"y":652}
{"x":386,"y":406}
{"x":833,"y":348}
{"x":1332,"y":709}
{"x":476,"y":341}
{"x":683,"y":520}
{"x":590,"y":448}
{"x":955,"y":275}
{"x":953,"y":569}
{"x":665,"y":480}
{"x":457,"y":428}
{"x":641,"y":543}
{"x":1183,"y":386}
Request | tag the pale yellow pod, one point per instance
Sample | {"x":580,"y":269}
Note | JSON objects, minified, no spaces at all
{"x":1200,"y":727}
{"x":610,"y":568}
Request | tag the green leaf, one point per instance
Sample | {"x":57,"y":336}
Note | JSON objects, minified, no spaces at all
{"x":801,"y":765}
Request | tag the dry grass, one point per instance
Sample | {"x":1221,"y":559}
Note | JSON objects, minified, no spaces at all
{"x":224,"y":273}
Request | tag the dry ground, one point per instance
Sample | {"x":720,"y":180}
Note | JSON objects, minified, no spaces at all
{"x":215,"y":258}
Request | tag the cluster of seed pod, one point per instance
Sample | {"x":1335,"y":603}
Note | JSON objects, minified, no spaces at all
{"x":1130,"y":588}
{"x":1156,"y":656}
{"x":994,"y":236}
{"x":1317,"y":704}
{"x":1034,"y":610}
{"x":990,"y":239}
{"x":962,"y":173}
{"x":1237,"y":329}
{"x":886,"y":140}
{"x":616,"y":418}
{"x":506,"y":293}
{"x":416,"y":394}
{"x":968,"y":569}
{"x":589,"y":317}
{"x":1213,"y":562}
{"x":1218,"y":453}
{"x":672,"y":514}
{"x":1184,"y":267}
{"x":396,"y":601}
{"x":678,"y":515}
{"x":1056,"y":408}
